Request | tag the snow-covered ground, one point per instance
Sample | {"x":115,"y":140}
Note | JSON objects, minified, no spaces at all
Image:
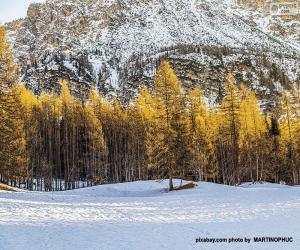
{"x":142,"y":215}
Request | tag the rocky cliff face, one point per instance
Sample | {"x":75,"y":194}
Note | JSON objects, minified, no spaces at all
{"x":116,"y":45}
{"x":280,"y":18}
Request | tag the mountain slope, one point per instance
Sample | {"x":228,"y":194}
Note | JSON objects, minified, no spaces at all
{"x":280,"y":20}
{"x":117,"y":45}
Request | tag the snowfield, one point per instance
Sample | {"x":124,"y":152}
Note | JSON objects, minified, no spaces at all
{"x":142,"y":215}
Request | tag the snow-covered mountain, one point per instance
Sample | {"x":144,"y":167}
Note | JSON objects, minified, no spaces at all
{"x":117,"y":45}
{"x":280,"y":19}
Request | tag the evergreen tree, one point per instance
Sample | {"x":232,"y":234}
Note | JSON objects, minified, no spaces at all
{"x":201,"y":143}
{"x":169,"y":105}
{"x":13,"y":157}
{"x":251,"y":136}
{"x":289,"y":127}
{"x":229,"y":131}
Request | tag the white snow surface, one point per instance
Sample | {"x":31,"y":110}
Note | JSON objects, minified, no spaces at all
{"x":143,"y":215}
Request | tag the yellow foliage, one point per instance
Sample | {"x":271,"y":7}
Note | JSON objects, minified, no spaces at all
{"x":252,"y":123}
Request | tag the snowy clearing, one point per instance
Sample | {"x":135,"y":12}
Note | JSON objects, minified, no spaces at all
{"x":142,"y":215}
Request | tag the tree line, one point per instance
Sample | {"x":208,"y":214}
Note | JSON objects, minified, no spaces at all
{"x":58,"y":142}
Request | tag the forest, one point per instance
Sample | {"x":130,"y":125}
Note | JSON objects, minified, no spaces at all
{"x":55,"y":142}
